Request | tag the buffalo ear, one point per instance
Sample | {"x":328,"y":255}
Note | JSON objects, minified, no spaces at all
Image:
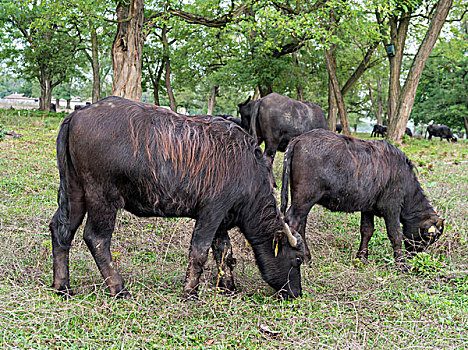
{"x":440,"y":223}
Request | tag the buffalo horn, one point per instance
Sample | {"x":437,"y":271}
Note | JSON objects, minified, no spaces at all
{"x":291,"y":239}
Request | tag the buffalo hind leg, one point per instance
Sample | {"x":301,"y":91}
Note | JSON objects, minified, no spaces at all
{"x":367,"y":230}
{"x":222,"y":252}
{"x":270,"y":158}
{"x":202,"y":239}
{"x":97,"y":235}
{"x":61,"y":265}
{"x":394,"y":234}
{"x":297,"y":220}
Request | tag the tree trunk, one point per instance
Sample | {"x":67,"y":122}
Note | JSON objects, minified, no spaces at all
{"x":398,"y":33}
{"x":96,"y":94}
{"x":465,"y":121}
{"x":156,"y":81}
{"x":46,"y":91}
{"x":299,"y":87}
{"x":376,"y":105}
{"x":397,"y":124}
{"x":127,"y":50}
{"x":167,"y":65}
{"x":68,"y":104}
{"x":212,"y":100}
{"x":332,"y":107}
{"x":337,"y":91}
{"x":57,"y":104}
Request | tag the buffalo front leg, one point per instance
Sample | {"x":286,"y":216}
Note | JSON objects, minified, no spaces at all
{"x":367,"y":230}
{"x":62,"y":235}
{"x":202,"y":239}
{"x":222,"y":252}
{"x":97,"y":235}
{"x":394,"y":234}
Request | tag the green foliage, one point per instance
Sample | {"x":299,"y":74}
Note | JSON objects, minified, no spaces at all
{"x":425,"y":264}
{"x":442,"y":93}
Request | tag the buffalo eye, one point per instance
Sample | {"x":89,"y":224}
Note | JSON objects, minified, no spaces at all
{"x":299,"y":260}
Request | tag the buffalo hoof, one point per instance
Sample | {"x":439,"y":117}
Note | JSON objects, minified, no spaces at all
{"x":64,"y":291}
{"x":123,"y":294}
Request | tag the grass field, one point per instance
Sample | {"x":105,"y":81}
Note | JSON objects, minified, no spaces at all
{"x":345,"y":305}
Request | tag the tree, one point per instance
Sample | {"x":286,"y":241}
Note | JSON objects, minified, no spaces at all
{"x":400,"y":100}
{"x":42,"y":34}
{"x":442,"y":95}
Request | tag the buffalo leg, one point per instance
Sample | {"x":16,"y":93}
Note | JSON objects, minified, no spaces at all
{"x":222,"y":252}
{"x":394,"y":234}
{"x":202,"y":238}
{"x":297,"y":219}
{"x":97,"y":235}
{"x":367,"y":230}
{"x":61,"y":265}
{"x":270,"y":158}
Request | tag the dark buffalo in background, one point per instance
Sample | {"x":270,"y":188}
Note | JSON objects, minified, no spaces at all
{"x":230,"y":117}
{"x":339,"y":128}
{"x":78,"y":107}
{"x":275,"y":119}
{"x":379,"y":130}
{"x":442,"y":131}
{"x":408,"y":132}
{"x":347,"y":174}
{"x":120,"y":154}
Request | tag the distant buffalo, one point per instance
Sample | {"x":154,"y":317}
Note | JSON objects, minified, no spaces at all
{"x":231,"y":118}
{"x":379,"y":130}
{"x":339,"y":128}
{"x":276,"y":119}
{"x":347,"y":174}
{"x":408,"y":132}
{"x":121,"y":154}
{"x":442,"y":131}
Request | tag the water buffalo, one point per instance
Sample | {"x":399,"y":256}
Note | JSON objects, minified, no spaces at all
{"x":408,"y":132}
{"x":347,"y":174}
{"x":276,"y":119}
{"x":119,"y":154}
{"x":442,"y":131}
{"x":339,"y":128}
{"x":379,"y":130}
{"x":231,"y":118}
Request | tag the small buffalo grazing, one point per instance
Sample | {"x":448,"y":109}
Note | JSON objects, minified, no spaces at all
{"x":347,"y":174}
{"x":442,"y":131}
{"x":230,"y":117}
{"x":379,"y":130}
{"x":120,"y":154}
{"x":339,"y":128}
{"x":276,"y":119}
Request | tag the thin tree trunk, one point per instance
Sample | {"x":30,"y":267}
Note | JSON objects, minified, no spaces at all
{"x":299,"y":87}
{"x":127,"y":50}
{"x":376,"y":105}
{"x":398,"y":33}
{"x":57,"y":104}
{"x":337,"y":91}
{"x":212,"y":100}
{"x":96,"y":93}
{"x":155,"y":80}
{"x":332,"y":106}
{"x":68,"y":104}
{"x":465,"y":121}
{"x":167,"y":66}
{"x":397,"y":124}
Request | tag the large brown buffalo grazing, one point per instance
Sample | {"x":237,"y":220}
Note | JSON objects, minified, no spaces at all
{"x":276,"y":119}
{"x":150,"y":161}
{"x":348,"y":174}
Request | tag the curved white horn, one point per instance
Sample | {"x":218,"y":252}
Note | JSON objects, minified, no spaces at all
{"x":291,"y":239}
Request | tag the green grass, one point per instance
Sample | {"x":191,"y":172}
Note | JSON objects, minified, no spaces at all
{"x":345,"y":304}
